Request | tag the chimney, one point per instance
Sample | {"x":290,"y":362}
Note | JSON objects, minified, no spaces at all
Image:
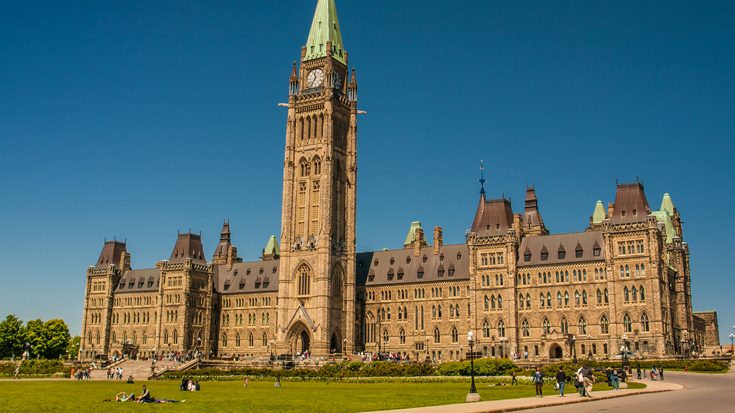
{"x":231,"y":257}
{"x":610,"y":209}
{"x":419,"y":242}
{"x":438,"y":240}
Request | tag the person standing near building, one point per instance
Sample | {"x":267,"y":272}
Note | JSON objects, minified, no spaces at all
{"x":661,"y":372}
{"x":538,"y":380}
{"x":515,"y":380}
{"x":17,"y":372}
{"x":639,"y":371}
{"x":561,"y":379}
{"x":614,"y":377}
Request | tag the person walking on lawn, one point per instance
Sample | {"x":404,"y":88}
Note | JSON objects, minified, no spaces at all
{"x":561,"y":378}
{"x":589,"y":380}
{"x":538,"y":380}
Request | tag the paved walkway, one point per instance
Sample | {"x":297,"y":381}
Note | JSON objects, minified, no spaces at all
{"x":533,"y":402}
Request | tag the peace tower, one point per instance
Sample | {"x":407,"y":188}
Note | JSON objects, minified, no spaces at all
{"x":317,"y":276}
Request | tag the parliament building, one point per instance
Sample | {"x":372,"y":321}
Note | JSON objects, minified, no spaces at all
{"x":624,"y":280}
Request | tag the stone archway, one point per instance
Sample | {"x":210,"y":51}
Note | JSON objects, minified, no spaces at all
{"x":299,"y":338}
{"x":335,"y":344}
{"x":555,"y":351}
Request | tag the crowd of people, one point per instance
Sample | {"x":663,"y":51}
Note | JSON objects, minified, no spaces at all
{"x":81,"y":374}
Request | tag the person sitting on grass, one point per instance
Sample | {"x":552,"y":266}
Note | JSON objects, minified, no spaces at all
{"x":122,"y":397}
{"x":145,"y":397}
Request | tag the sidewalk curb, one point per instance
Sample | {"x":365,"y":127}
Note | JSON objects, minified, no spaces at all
{"x":573,"y":401}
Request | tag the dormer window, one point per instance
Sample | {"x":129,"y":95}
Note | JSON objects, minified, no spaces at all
{"x":260,"y":271}
{"x":623,"y":212}
{"x":400,"y":273}
{"x":596,"y":252}
{"x":441,"y":257}
{"x":390,"y":274}
{"x":420,"y":272}
{"x":424,"y":258}
{"x":544,"y":256}
{"x":140,"y":284}
{"x":247,"y":272}
{"x":131,"y":285}
{"x":235,"y":272}
{"x":579,"y":253}
{"x":227,"y":287}
{"x":392,"y":261}
{"x":150,"y":284}
{"x":371,"y":276}
{"x":459,"y":256}
{"x":408,"y":259}
{"x":635,"y":212}
{"x":527,"y":257}
{"x":562,"y":255}
{"x":376,"y":262}
{"x":265,"y":284}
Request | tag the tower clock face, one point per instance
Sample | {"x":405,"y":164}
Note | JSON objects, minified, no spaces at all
{"x":337,"y":81}
{"x":315,"y":78}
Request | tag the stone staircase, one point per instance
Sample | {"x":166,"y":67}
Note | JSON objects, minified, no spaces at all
{"x":140,"y":370}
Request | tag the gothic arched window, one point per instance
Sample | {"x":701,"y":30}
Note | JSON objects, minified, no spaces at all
{"x":627,"y":324}
{"x":304,"y":280}
{"x":604,"y":325}
{"x":644,"y":322}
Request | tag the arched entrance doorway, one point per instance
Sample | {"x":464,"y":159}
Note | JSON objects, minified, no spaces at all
{"x":302,"y":342}
{"x":555,"y":351}
{"x":335,"y":345}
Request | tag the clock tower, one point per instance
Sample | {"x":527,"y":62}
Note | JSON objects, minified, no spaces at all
{"x":316,"y":297}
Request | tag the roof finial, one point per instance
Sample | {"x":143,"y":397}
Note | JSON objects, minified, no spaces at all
{"x":482,"y":179}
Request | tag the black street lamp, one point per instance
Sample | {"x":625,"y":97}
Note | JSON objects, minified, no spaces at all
{"x":574,"y":349}
{"x":589,"y":347}
{"x":473,"y":396}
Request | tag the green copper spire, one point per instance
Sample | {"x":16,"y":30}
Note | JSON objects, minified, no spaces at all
{"x":324,"y":28}
{"x":667,"y":205}
{"x":599,"y":215}
{"x":272,"y":247}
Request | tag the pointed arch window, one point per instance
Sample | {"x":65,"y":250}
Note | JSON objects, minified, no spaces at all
{"x":237,"y":340}
{"x":564,"y":326}
{"x":584,"y":297}
{"x":576,"y":298}
{"x":604,"y":325}
{"x":304,"y":280}
{"x":528,"y":300}
{"x":500,"y":301}
{"x":607,"y":298}
{"x":547,"y":326}
{"x":455,"y":335}
{"x":485,"y":329}
{"x":582,"y":325}
{"x":501,"y":329}
{"x":558,"y":299}
{"x":626,"y":294}
{"x":251,"y":340}
{"x":437,"y":336}
{"x":627,"y":272}
{"x":566,"y":298}
{"x":265,"y":340}
{"x":643,"y":293}
{"x":637,"y":270}
{"x":402,"y":336}
{"x":644,"y":322}
{"x":635,"y":294}
{"x":520,"y":300}
{"x":548,"y":299}
{"x":526,"y":328}
{"x":627,"y":324}
{"x":599,"y":296}
{"x":643,"y":270}
{"x":542,"y":300}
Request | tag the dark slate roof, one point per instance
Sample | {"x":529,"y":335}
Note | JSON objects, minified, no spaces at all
{"x":630,"y":198}
{"x":531,"y":214}
{"x":111,"y":254}
{"x":136,"y":277}
{"x":244,"y":276}
{"x":188,"y":246}
{"x":446,"y":260}
{"x":562,"y":242}
{"x":224,"y":240}
{"x":493,"y":217}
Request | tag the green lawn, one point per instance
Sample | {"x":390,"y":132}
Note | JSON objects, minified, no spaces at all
{"x":259,"y":396}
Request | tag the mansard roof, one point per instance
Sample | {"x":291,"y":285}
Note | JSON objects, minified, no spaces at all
{"x":224,"y":240}
{"x":188,"y":246}
{"x":378,"y":265}
{"x":244,"y":276}
{"x":111,"y":254}
{"x":493,"y":217}
{"x":631,"y":204}
{"x":571,"y":242}
{"x":140,"y":280}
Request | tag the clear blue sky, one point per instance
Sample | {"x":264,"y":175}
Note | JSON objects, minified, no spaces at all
{"x":138,"y":119}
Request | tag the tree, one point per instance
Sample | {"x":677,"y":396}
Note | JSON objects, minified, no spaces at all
{"x":57,"y":336}
{"x":11,"y":337}
{"x":73,"y":348}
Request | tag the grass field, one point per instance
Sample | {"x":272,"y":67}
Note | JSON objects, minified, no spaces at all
{"x":259,"y":396}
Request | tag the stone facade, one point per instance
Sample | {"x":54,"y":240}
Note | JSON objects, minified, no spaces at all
{"x":623,"y":281}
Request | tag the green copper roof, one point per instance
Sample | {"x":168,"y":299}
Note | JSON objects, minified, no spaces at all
{"x":412,"y":232}
{"x":325,"y":27}
{"x":599,"y":214}
{"x":667,"y":205}
{"x":664,"y":217}
{"x":272,"y":247}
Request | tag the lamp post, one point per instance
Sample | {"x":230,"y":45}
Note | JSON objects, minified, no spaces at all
{"x":272,"y":349}
{"x":461,"y":352}
{"x":684,"y":342}
{"x":473,"y":396}
{"x":606,"y":355}
{"x":624,"y":350}
{"x":344,"y":349}
{"x":574,"y":349}
{"x":385,"y":349}
{"x":503,"y":340}
{"x":732,"y":337}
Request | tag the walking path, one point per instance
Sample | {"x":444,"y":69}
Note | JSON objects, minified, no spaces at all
{"x":550,"y":400}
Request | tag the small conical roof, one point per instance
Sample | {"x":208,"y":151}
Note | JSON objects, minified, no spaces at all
{"x":272,"y":247}
{"x":411,"y":237}
{"x":667,"y":205}
{"x":599,"y":215}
